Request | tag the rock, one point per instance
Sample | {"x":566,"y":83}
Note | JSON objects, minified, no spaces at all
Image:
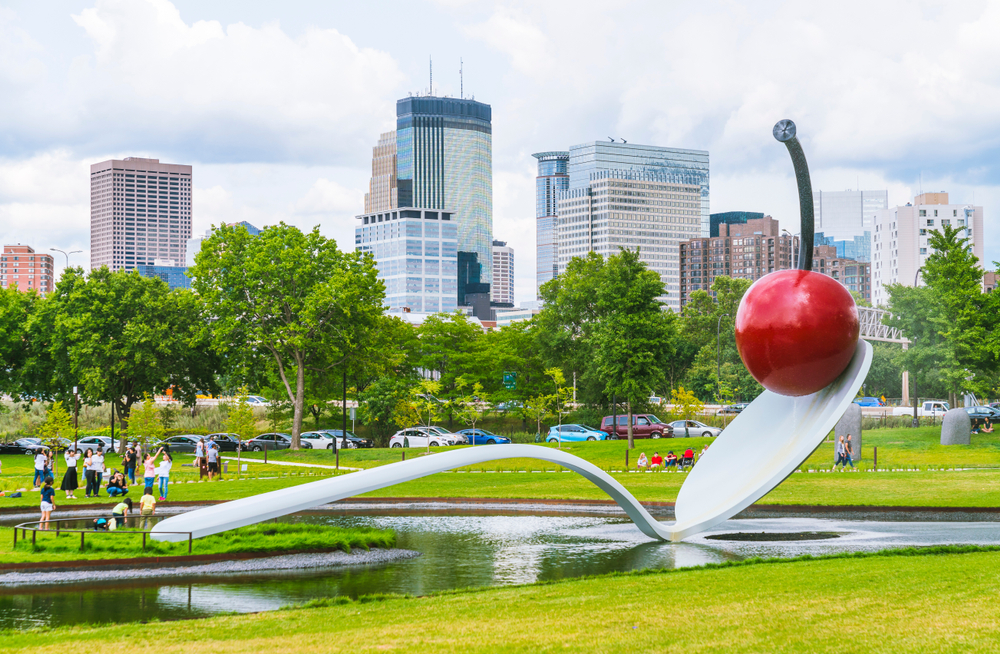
{"x":849,"y":423}
{"x":956,"y":428}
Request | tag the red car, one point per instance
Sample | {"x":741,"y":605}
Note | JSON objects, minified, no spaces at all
{"x":644,"y":425}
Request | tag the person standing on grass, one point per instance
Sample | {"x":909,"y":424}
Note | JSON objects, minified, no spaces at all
{"x":147,"y":507}
{"x":149,"y":469}
{"x":213,"y":461}
{"x":838,"y":450}
{"x":88,"y":474}
{"x":41,"y":459}
{"x":129,"y":462}
{"x":199,"y":453}
{"x":849,"y":452}
{"x":163,"y":472}
{"x":70,"y":480}
{"x":48,"y":504}
{"x":97,"y":465}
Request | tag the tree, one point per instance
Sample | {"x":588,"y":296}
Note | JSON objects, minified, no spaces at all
{"x":240,"y":418}
{"x":383,"y":403}
{"x":473,"y":406}
{"x":15,"y":309}
{"x":290,"y":298}
{"x":635,"y":336}
{"x":145,"y":423}
{"x":118,"y":336}
{"x":558,"y":399}
{"x":537,"y":408}
{"x":686,"y":404}
{"x":450,"y":347}
{"x":57,"y":425}
{"x":423,"y":407}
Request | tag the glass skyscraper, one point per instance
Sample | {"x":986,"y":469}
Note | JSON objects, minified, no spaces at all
{"x":444,"y":160}
{"x":553,"y":179}
{"x":430,"y":203}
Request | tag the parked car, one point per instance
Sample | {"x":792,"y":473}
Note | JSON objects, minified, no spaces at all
{"x":734,"y":408}
{"x":483,"y":437}
{"x":273,"y":441}
{"x":184,"y":444}
{"x":415,"y":437}
{"x":23,"y":446}
{"x":227,"y":442}
{"x":574,"y":434}
{"x":694,"y":428}
{"x":868,"y":401}
{"x":459,"y":439}
{"x":11,"y":448}
{"x":929,"y":408}
{"x":979,"y":414}
{"x":257,"y":400}
{"x":353,"y":441}
{"x":644,"y":425}
{"x":318,"y":440}
{"x":511,"y":405}
{"x":95,"y":441}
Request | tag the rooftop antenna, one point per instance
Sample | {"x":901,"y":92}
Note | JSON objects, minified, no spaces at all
{"x":461,"y":80}
{"x":432,"y":75}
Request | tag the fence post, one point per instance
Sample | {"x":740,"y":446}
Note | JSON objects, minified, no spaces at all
{"x":875,"y":458}
{"x":626,"y":459}
{"x":34,"y":532}
{"x":143,"y":541}
{"x":404,"y":453}
{"x":15,"y":539}
{"x":82,"y":534}
{"x":189,"y":542}
{"x":265,"y":451}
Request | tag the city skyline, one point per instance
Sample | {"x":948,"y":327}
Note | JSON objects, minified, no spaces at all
{"x":286,"y":148}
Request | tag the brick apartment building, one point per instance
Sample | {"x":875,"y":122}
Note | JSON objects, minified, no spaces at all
{"x":22,"y":267}
{"x":755,"y":248}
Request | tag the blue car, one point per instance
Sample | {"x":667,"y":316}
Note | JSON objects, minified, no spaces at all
{"x":483,"y":437}
{"x":868,"y":401}
{"x":575,"y":433}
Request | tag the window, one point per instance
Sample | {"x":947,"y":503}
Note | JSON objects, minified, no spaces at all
{"x":923,"y":212}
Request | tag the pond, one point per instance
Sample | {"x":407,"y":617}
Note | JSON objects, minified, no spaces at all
{"x":460,"y":551}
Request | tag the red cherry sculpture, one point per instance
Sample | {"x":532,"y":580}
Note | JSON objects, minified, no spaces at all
{"x":796,"y":331}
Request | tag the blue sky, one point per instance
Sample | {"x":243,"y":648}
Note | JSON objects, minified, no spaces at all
{"x":277,"y":105}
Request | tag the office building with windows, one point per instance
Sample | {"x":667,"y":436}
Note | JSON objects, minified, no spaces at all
{"x":752,"y":249}
{"x":24,"y":269}
{"x":140,"y":210}
{"x":900,"y":238}
{"x":435,"y":171}
{"x":416,"y":251}
{"x":843,"y":215}
{"x":175,"y":276}
{"x":730,"y":218}
{"x":502,"y":289}
{"x":552,"y":179}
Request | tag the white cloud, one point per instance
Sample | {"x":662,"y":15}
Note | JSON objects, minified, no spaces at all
{"x":326,"y":197}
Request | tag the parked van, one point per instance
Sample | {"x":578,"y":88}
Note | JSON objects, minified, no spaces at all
{"x":644,"y":425}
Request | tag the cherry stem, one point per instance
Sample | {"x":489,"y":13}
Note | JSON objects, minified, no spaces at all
{"x":784,"y":131}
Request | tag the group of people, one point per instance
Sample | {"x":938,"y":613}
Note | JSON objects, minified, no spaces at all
{"x":985,"y":428}
{"x":657,"y":462}
{"x":206,"y":458}
{"x":844,"y":450}
{"x":147,"y":509}
{"x":118,"y":482}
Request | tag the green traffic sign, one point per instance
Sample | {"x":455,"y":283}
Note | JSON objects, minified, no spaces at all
{"x":510,"y":380}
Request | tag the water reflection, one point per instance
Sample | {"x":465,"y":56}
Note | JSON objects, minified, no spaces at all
{"x":458,"y":552}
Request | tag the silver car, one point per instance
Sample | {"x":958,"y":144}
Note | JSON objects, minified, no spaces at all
{"x":694,"y":428}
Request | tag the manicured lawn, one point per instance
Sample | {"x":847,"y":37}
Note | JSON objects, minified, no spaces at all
{"x":267,"y":537}
{"x":925,"y":603}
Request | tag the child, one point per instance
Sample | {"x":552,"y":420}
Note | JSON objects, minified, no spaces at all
{"x":147,"y":507}
{"x":120,"y":512}
{"x":48,"y":502}
{"x":163,"y":472}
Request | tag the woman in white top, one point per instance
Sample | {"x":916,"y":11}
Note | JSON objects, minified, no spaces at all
{"x":41,"y":460}
{"x":70,"y":480}
{"x":163,"y":472}
{"x":642,"y":462}
{"x":97,"y":468}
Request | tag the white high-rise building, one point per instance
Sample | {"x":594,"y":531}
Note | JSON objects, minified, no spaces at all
{"x":900,"y":235}
{"x":140,"y":211}
{"x":502,"y":289}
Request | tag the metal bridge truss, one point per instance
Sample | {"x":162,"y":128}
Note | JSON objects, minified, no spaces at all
{"x":873,"y":327}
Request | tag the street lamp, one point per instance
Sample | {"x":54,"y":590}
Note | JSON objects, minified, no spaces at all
{"x":66,"y":254}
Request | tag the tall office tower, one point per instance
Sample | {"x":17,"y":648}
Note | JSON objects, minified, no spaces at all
{"x":730,"y":218}
{"x":140,"y":211}
{"x":502,"y":290}
{"x":381,"y":195}
{"x":442,"y":162}
{"x":745,"y":249}
{"x":900,"y":235}
{"x":22,"y":268}
{"x":552,"y":180}
{"x":638,"y":197}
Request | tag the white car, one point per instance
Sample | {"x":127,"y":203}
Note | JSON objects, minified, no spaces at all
{"x":434,"y":430}
{"x":257,"y":400}
{"x":318,"y":440}
{"x":694,"y":428}
{"x":416,"y":437}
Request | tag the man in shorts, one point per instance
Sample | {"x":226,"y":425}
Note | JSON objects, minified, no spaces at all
{"x":213,"y":461}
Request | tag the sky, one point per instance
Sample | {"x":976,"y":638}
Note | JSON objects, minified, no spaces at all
{"x":278,"y":105}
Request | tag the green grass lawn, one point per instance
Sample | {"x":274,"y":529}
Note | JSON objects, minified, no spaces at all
{"x":882,"y":603}
{"x":265,"y":537}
